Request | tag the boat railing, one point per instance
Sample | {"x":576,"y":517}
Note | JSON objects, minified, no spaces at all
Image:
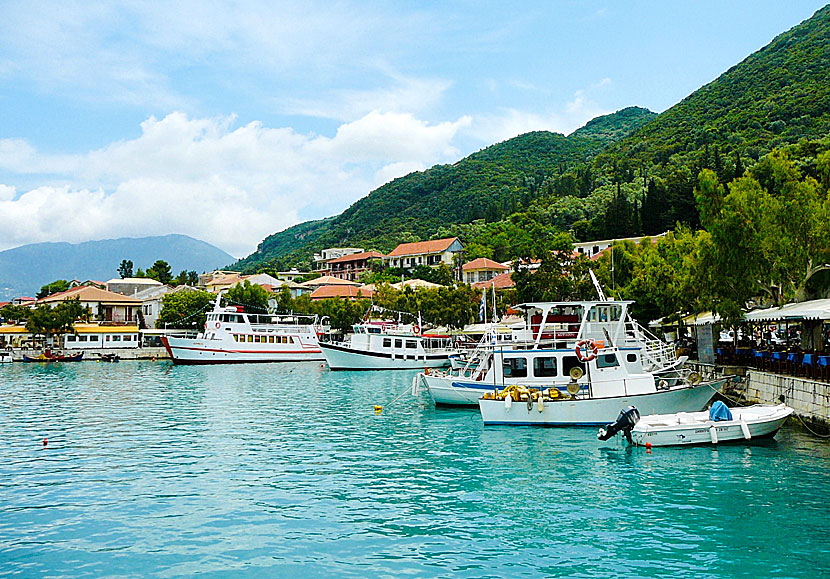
{"x":656,"y":353}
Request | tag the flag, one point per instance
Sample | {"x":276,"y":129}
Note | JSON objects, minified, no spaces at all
{"x":482,"y":309}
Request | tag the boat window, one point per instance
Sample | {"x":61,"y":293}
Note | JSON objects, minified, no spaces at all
{"x":70,"y":338}
{"x":116,"y":338}
{"x":515,"y":367}
{"x":544,"y":366}
{"x":571,"y":362}
{"x":631,"y":357}
{"x":270,"y":339}
{"x":250,"y":338}
{"x":387,"y":342}
{"x":374,"y":330}
{"x":82,"y":338}
{"x":411,"y":344}
{"x":607,"y":361}
{"x":93,"y":338}
{"x":399,"y":343}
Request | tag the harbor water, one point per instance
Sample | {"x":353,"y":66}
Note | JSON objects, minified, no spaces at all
{"x":145,"y":469}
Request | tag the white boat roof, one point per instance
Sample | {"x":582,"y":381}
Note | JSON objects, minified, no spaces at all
{"x":584,"y":304}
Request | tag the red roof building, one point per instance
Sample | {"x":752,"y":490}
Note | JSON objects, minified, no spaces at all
{"x":482,"y":269}
{"x":341,"y":291}
{"x":349,"y":267}
{"x":501,"y":281}
{"x":430,"y":253}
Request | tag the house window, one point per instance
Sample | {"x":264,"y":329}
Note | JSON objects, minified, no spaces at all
{"x":544,"y":367}
{"x":515,"y":367}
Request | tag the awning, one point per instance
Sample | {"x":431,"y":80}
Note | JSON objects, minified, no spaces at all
{"x":701,"y":319}
{"x":812,"y":310}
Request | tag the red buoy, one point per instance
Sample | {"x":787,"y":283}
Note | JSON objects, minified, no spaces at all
{"x":648,"y":445}
{"x":44,"y":442}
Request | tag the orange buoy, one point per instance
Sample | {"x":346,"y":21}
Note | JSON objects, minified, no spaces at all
{"x":648,"y":445}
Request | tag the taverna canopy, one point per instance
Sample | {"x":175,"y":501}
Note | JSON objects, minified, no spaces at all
{"x":812,"y":310}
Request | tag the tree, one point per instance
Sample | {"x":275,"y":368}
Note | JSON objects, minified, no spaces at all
{"x":251,"y":296}
{"x":126,"y":268}
{"x":561,"y":275}
{"x":60,"y":285}
{"x":160,"y":271}
{"x":11,"y":313}
{"x":184,"y":309}
{"x":47,"y":320}
{"x":190,"y":278}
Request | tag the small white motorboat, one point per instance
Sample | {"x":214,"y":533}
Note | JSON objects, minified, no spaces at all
{"x":718,"y":425}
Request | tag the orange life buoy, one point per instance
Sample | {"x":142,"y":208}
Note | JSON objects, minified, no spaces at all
{"x":416,"y":329}
{"x":586,"y":350}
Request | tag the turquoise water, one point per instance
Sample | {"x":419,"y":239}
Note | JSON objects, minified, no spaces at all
{"x":284,"y":470}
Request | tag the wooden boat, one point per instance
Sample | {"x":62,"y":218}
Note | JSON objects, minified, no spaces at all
{"x":687,"y":428}
{"x":48,"y":356}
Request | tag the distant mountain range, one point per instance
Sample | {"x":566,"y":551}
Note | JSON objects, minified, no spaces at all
{"x":25,"y":269}
{"x":776,"y":96}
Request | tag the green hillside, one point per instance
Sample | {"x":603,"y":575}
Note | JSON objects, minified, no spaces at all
{"x":488,"y":185}
{"x":621,"y":175}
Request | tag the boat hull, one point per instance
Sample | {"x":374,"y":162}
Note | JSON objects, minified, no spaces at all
{"x":48,"y":359}
{"x":198,"y":351}
{"x":751,"y":423}
{"x":595,"y":411}
{"x":341,"y":357}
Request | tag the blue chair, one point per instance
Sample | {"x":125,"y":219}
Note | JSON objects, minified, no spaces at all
{"x":807,"y":365}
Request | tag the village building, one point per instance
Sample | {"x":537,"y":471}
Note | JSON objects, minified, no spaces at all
{"x":292,"y":275}
{"x":349,"y":292}
{"x":593,"y":249}
{"x":321,"y":259}
{"x":429,"y":253}
{"x":309,"y":286}
{"x":350,"y":267}
{"x":482,"y":269}
{"x":129,"y":286}
{"x":501,"y":281}
{"x":104,"y":305}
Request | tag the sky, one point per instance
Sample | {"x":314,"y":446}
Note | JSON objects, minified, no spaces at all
{"x":230,"y":121}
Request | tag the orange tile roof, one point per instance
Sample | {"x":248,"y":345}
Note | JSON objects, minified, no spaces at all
{"x":483,"y":263}
{"x":90,"y":294}
{"x":501,"y":281}
{"x":327,"y":280}
{"x":341,"y":291}
{"x":356,"y":257}
{"x":421,"y":247}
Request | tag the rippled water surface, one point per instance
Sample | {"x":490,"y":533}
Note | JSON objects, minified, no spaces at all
{"x":284,"y":470}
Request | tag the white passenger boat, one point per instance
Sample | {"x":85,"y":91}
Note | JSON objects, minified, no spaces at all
{"x":231,"y":335}
{"x":386,"y":345}
{"x":686,"y":428}
{"x":614,"y":355}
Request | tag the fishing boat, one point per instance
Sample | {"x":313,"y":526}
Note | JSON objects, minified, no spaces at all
{"x":5,"y":357}
{"x":717,"y":426}
{"x":388,"y":345}
{"x":49,"y":356}
{"x":232,"y":335}
{"x":613,"y":355}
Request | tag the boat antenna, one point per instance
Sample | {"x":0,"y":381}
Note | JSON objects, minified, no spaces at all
{"x":595,"y":281}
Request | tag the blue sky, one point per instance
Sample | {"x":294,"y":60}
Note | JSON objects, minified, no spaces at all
{"x":229,"y":122}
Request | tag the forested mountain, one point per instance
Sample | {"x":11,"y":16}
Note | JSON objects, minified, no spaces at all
{"x":24,"y":269}
{"x":489,"y":184}
{"x":624,"y":174}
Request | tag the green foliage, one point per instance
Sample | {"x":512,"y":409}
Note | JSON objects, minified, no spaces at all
{"x":184,"y":310}
{"x":190,"y":278}
{"x":160,"y":271}
{"x":60,"y":285}
{"x":126,"y":268}
{"x":12,"y":313}
{"x":45,"y":320}
{"x":252,"y":297}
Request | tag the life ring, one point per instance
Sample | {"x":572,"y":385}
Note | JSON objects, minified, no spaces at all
{"x":217,"y":325}
{"x":416,"y":329}
{"x":590,"y":350}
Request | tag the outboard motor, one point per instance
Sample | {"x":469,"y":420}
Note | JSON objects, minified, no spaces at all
{"x":625,"y":422}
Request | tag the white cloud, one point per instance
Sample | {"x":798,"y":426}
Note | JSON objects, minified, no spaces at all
{"x":204,"y":177}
